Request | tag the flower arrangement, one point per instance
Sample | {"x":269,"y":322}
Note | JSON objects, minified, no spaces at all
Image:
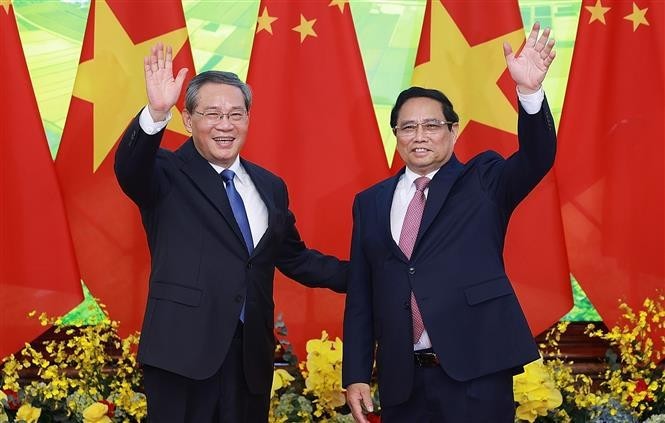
{"x":92,"y":377}
{"x":311,"y":390}
{"x":631,"y":389}
{"x":89,"y":376}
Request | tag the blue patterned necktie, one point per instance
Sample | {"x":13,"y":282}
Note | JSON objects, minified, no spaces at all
{"x":240,"y":214}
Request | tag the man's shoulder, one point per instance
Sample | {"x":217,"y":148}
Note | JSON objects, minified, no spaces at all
{"x":486,"y":158}
{"x":257,"y":171}
{"x":378,"y":187}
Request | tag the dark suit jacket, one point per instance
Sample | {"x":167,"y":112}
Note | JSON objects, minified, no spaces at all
{"x":201,"y":270}
{"x":456,"y":271}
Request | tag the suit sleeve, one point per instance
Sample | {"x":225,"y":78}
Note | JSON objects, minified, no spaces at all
{"x":136,"y":165}
{"x":358,"y":356}
{"x":512,"y":179}
{"x":305,"y":265}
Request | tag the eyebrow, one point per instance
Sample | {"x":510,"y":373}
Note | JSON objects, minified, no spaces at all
{"x":218,"y":109}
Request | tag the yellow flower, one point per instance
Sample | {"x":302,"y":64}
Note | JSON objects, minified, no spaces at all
{"x":535,"y":391}
{"x":96,"y":413}
{"x":280,"y":379}
{"x":28,"y":413}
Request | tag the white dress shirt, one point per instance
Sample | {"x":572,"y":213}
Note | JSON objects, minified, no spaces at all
{"x":257,"y":212}
{"x":406,"y":188}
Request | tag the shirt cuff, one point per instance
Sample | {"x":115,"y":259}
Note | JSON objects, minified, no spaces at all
{"x":531,"y":103}
{"x":148,"y":125}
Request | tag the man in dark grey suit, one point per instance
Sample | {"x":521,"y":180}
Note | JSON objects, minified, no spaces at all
{"x":427,"y":285}
{"x":217,"y":226}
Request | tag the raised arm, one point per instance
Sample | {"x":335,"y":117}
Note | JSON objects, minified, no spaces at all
{"x":162,"y":88}
{"x":529,"y":67}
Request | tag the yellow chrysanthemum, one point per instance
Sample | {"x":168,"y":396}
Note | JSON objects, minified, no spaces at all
{"x":28,"y":413}
{"x":535,"y":391}
{"x":280,"y":379}
{"x":96,"y":413}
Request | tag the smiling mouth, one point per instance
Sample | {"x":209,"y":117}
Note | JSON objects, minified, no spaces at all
{"x":420,"y":150}
{"x":223,"y":140}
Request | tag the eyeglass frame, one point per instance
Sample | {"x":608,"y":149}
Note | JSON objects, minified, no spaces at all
{"x":421,"y":124}
{"x":221,"y":115}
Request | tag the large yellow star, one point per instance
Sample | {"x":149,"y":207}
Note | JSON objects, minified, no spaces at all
{"x":264,"y":22}
{"x":638,"y":17}
{"x":597,"y":12}
{"x":114,"y":81}
{"x":5,"y":4}
{"x":468,"y":75}
{"x":339,"y":3}
{"x":305,"y":28}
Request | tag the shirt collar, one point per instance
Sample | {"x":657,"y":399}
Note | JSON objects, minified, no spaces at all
{"x":410,"y":176}
{"x":236,"y":167}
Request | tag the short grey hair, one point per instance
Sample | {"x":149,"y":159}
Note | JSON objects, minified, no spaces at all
{"x":215,"y":77}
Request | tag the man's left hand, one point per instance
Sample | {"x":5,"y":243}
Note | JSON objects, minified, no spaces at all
{"x":529,"y":67}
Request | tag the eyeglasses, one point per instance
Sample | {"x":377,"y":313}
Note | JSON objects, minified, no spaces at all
{"x":213,"y":117}
{"x":430,"y":127}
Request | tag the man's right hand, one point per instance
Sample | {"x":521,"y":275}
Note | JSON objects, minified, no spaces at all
{"x":162,"y":89}
{"x":359,"y":399}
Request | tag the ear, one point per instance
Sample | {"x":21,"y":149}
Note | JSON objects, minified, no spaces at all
{"x":187,"y":120}
{"x":455,"y":132}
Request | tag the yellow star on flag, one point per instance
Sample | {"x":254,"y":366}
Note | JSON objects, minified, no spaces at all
{"x":305,"y":28}
{"x":5,"y":4}
{"x":264,"y":22}
{"x":467,"y":74}
{"x":339,"y":3}
{"x":114,"y":81}
{"x":638,"y":17}
{"x":597,"y":12}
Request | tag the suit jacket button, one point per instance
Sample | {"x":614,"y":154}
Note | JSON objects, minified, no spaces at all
{"x":406,"y":305}
{"x":412,"y":270}
{"x":238,"y":298}
{"x":249,"y":265}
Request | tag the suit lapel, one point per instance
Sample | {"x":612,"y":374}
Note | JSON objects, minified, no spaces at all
{"x":263,"y":186}
{"x":439,"y":188}
{"x":384,"y":201}
{"x":209,"y":183}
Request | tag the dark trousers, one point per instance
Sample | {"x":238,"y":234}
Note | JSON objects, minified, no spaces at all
{"x":222,"y":398}
{"x":436,"y":398}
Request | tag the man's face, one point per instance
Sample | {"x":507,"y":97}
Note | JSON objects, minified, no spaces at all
{"x":431,"y":145}
{"x":218,"y":140}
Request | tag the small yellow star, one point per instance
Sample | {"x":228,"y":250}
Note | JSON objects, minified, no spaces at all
{"x":638,"y":17}
{"x":5,"y":4}
{"x":305,"y":28}
{"x":597,"y":12}
{"x":339,"y":3}
{"x":265,"y":21}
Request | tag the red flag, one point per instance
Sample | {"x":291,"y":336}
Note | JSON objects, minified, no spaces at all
{"x":460,"y":53}
{"x":108,"y":92}
{"x":611,"y":156}
{"x":37,"y":266}
{"x":313,"y":124}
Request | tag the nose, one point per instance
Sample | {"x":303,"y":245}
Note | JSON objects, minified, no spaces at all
{"x":224,"y":124}
{"x":420,"y":133}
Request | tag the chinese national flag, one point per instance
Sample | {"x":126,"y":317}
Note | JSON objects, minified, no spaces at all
{"x":108,"y":92}
{"x":37,"y":265}
{"x":460,"y":53}
{"x":312,"y":123}
{"x":610,"y":164}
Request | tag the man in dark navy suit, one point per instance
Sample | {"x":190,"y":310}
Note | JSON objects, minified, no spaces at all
{"x":217,"y":225}
{"x":428,"y":295}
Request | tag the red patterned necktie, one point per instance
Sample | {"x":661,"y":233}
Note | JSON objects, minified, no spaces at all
{"x":407,"y":239}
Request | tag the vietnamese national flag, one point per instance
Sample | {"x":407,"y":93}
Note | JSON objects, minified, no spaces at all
{"x":611,"y":160}
{"x":108,"y":92}
{"x":38,"y":269}
{"x":313,"y":124}
{"x":461,"y":54}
